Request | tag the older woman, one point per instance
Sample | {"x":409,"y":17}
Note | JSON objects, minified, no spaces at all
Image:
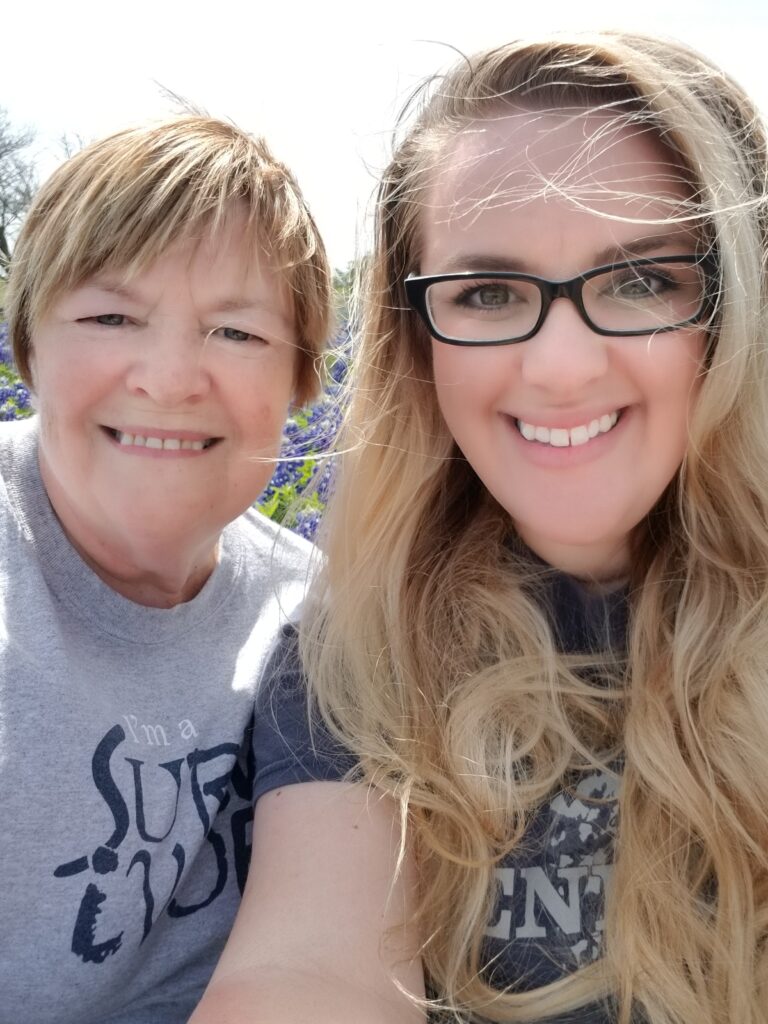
{"x":168,"y":301}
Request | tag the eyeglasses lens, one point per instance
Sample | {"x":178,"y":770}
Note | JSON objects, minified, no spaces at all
{"x":634,"y":298}
{"x":645,"y":298}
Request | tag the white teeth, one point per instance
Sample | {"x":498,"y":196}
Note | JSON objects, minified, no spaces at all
{"x":562,"y":438}
{"x":579,"y":435}
{"x":172,"y":444}
{"x":559,"y":438}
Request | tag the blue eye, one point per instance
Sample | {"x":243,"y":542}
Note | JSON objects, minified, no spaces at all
{"x":639,"y":285}
{"x":234,"y":334}
{"x":110,"y":319}
{"x":492,"y":295}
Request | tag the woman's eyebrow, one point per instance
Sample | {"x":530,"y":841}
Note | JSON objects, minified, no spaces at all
{"x":250,"y":306}
{"x":231,"y":304}
{"x":639,"y":247}
{"x":113,"y":287}
{"x":615,"y":253}
{"x":483,"y":261}
{"x":242,"y":304}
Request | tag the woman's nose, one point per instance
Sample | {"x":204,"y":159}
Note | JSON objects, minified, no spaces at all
{"x":171,"y":368}
{"x":565,"y":354}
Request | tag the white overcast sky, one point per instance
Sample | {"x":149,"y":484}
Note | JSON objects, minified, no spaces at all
{"x":322,"y":81}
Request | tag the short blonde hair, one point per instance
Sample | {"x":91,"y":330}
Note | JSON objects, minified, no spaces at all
{"x":122,"y":201}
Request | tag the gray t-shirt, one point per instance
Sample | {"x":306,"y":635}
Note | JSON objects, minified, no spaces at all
{"x":130,"y":759}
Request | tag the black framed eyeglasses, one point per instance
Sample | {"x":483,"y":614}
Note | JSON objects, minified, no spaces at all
{"x":642,"y":296}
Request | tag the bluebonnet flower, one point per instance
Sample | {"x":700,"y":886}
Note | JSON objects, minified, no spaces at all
{"x":14,"y":394}
{"x":5,"y":348}
{"x":307,"y":522}
{"x":301,"y":483}
{"x":324,"y":485}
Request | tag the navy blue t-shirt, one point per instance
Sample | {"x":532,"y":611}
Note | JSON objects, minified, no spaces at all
{"x":548,"y":919}
{"x":297,"y":746}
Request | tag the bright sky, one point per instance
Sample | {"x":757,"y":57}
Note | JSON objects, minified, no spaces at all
{"x":322,"y":81}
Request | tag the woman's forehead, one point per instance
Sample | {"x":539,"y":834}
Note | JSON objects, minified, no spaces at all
{"x":553,"y":194}
{"x":582,"y":155}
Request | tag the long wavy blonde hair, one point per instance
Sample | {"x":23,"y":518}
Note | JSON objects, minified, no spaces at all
{"x":430,"y":656}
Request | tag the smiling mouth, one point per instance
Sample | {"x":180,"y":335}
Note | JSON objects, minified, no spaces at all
{"x":557,"y":437}
{"x":126,"y":440}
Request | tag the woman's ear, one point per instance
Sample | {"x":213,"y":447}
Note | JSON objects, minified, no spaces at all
{"x":31,"y":364}
{"x":31,"y":382}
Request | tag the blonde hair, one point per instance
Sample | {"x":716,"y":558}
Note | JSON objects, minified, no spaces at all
{"x":121,"y":202}
{"x":431,"y":656}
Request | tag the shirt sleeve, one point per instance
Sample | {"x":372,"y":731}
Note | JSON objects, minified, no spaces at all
{"x":290,"y":740}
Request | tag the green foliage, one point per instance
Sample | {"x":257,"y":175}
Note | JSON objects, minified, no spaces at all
{"x":305,"y":456}
{"x":14,"y":396}
{"x":343,"y":287}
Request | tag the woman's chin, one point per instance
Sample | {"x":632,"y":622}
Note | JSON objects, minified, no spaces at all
{"x":588,"y":553}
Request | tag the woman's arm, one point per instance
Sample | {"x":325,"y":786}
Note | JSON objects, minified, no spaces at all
{"x":320,"y":935}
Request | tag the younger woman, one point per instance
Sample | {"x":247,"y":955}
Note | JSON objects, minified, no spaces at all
{"x":544,"y":625}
